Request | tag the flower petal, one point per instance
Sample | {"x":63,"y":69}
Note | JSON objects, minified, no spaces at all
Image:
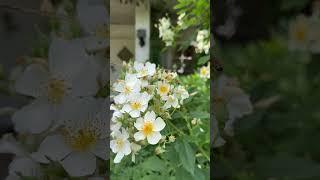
{"x":35,"y":117}
{"x":101,"y":149}
{"x":118,"y":157}
{"x":25,"y":166}
{"x":154,"y":138}
{"x":30,"y":82}
{"x":134,"y":113}
{"x":79,"y":164}
{"x":139,"y":123}
{"x":67,"y":58}
{"x":150,"y":116}
{"x":52,"y":147}
{"x":126,"y":149}
{"x":159,"y":124}
{"x":138,"y":136}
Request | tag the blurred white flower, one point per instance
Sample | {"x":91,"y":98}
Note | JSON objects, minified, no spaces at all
{"x":137,"y":103}
{"x":9,"y":145}
{"x":163,"y":89}
{"x":205,"y":71}
{"x":25,"y":167}
{"x":80,"y":139}
{"x":70,"y":74}
{"x":149,"y":127}
{"x":299,"y":33}
{"x":202,"y":43}
{"x":171,"y":101}
{"x":237,"y":101}
{"x":120,"y":145}
{"x":181,"y":21}
{"x":165,"y":31}
{"x":135,"y":148}
{"x":181,"y":93}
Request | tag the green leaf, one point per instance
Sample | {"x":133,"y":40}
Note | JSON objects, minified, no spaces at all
{"x":154,"y":164}
{"x":186,"y":155}
{"x":202,"y":60}
{"x":154,"y":177}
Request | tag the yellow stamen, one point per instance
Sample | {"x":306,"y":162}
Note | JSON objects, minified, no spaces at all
{"x":56,"y":90}
{"x":136,"y":105}
{"x":147,"y":128}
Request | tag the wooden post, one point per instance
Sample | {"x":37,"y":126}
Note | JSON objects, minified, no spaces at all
{"x":142,"y":31}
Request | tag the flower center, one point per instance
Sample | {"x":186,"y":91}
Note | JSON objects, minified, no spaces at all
{"x":82,"y":140}
{"x":56,"y":90}
{"x":147,"y":128}
{"x":301,"y":34}
{"x":127,"y":90}
{"x":119,"y":143}
{"x":204,"y":71}
{"x":163,"y":89}
{"x":144,"y":72}
{"x":135,"y":105}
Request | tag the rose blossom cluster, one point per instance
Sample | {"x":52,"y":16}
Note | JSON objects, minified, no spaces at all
{"x":145,"y":97}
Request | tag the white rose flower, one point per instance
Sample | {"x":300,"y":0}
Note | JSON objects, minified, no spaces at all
{"x":238,"y":103}
{"x":299,"y":33}
{"x":202,"y":43}
{"x":149,"y":127}
{"x":205,"y":72}
{"x":181,"y":93}
{"x":120,"y":145}
{"x":131,"y":85}
{"x":135,"y":148}
{"x":137,"y":103}
{"x":171,"y":101}
{"x":81,"y":138}
{"x":147,"y":69}
{"x":71,"y":73}
{"x":165,"y":31}
{"x":163,"y":88}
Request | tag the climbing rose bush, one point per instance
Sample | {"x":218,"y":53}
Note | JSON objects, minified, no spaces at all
{"x":144,"y":99}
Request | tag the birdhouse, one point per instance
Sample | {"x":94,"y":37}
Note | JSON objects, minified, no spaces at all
{"x":129,"y":32}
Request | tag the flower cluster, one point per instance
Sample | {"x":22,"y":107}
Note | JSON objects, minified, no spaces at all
{"x":145,"y":97}
{"x":166,"y":32}
{"x":202,"y":43}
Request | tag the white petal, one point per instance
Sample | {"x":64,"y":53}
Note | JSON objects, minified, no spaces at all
{"x":135,"y":113}
{"x":150,"y":116}
{"x":126,"y":149}
{"x":31,"y":81}
{"x":159,"y":124}
{"x":91,"y":15}
{"x":239,"y":106}
{"x":8,"y":144}
{"x":139,"y":123}
{"x":138,"y":66}
{"x":118,"y":157}
{"x":101,"y":149}
{"x":53,"y":147}
{"x":138,"y":136}
{"x":67,"y":57}
{"x":84,"y":83}
{"x":25,"y":166}
{"x":126,"y":108}
{"x":35,"y":117}
{"x":154,"y":138}
{"x":120,"y":99}
{"x":79,"y":164}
